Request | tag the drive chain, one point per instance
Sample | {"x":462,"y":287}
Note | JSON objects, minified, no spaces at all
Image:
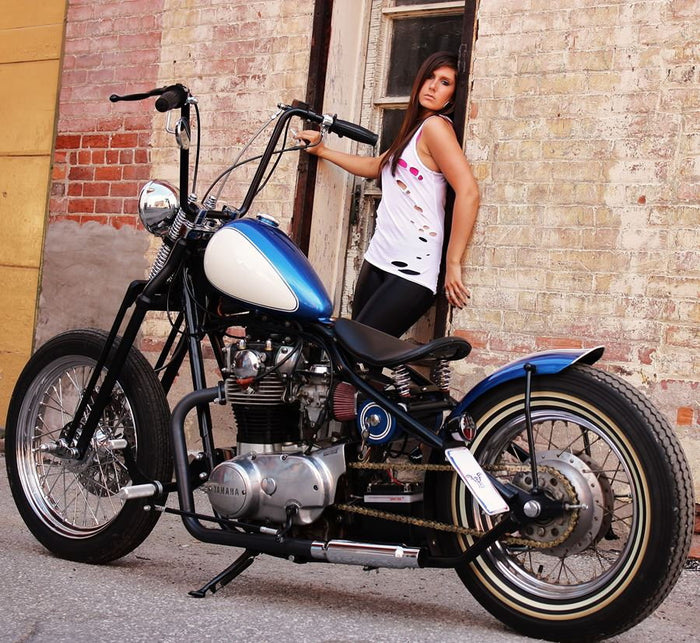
{"x":467,"y":531}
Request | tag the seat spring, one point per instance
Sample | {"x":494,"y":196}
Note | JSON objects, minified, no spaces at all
{"x":402,"y":379}
{"x":442,"y":374}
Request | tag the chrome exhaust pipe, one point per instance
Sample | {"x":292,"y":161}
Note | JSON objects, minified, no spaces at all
{"x":346,"y":552}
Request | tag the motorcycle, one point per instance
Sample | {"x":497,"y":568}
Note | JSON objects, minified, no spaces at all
{"x":556,"y":491}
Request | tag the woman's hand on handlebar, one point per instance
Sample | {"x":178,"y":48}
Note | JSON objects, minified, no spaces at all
{"x":312,"y":139}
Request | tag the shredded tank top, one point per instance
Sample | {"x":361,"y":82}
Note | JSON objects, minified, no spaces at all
{"x":409,"y":230}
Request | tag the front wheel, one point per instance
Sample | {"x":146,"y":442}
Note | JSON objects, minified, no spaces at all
{"x":613,"y":556}
{"x":71,"y":506}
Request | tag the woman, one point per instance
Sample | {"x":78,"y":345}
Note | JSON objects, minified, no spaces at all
{"x":398,"y":279}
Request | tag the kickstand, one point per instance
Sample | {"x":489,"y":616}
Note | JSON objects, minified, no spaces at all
{"x":238,"y":566}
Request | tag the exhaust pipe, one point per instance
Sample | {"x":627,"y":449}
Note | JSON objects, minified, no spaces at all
{"x":346,"y":552}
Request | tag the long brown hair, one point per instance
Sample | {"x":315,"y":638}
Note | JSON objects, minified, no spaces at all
{"x":413,"y":120}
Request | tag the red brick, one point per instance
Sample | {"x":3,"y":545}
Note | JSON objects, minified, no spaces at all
{"x":58,"y":172}
{"x":119,"y":222}
{"x":75,"y":188}
{"x":95,"y":140}
{"x":125,"y":188}
{"x":108,"y":173}
{"x":96,"y":189}
{"x":67,"y":142}
{"x":81,"y":205}
{"x":544,"y":343}
{"x":124,"y":140}
{"x":81,"y":173}
{"x":137,"y":172}
{"x":84,"y":157}
{"x":108,"y":206}
{"x":141,"y":156}
{"x":475,"y":338}
{"x":684,"y":416}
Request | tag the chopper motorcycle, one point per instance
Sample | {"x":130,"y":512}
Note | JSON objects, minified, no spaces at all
{"x":556,"y":491}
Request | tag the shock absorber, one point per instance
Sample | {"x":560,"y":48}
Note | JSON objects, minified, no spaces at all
{"x":441,"y":374}
{"x":402,"y":379}
{"x":173,"y":234}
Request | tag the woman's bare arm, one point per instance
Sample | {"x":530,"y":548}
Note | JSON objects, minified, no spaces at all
{"x":440,"y":142}
{"x":365,"y":166}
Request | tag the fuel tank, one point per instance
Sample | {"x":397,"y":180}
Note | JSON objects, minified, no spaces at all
{"x":254,"y":262}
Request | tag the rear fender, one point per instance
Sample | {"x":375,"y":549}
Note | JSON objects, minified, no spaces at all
{"x":545,"y":363}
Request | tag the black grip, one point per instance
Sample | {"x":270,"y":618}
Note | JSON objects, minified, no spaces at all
{"x":172,"y":98}
{"x":355,"y":132}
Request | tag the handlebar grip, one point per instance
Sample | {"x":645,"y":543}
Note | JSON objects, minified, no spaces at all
{"x":355,"y":132}
{"x":174,"y":97}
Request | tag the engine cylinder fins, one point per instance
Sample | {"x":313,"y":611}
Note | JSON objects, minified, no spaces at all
{"x":266,"y":424}
{"x":269,"y":390}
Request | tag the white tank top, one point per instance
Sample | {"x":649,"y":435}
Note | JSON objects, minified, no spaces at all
{"x":408,"y":236}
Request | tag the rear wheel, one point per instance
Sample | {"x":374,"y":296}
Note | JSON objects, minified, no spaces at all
{"x":612,"y":558}
{"x":71,"y":506}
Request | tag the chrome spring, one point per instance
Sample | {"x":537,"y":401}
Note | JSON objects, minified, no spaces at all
{"x":164,"y":252}
{"x":442,"y":374}
{"x":401,"y":379}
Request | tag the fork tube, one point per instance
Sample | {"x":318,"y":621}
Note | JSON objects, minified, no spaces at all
{"x":197,"y":367}
{"x":185,"y":157}
{"x":143,"y":304}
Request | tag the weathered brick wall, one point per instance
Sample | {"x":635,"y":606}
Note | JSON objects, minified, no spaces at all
{"x":93,"y":247}
{"x":239,"y":58}
{"x":585,"y":144}
{"x":102,"y":149}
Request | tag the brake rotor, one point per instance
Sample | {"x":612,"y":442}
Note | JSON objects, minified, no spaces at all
{"x":571,"y":480}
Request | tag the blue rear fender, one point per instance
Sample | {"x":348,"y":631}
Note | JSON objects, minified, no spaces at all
{"x":546,"y":363}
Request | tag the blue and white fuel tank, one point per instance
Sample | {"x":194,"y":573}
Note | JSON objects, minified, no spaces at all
{"x":255,"y":262}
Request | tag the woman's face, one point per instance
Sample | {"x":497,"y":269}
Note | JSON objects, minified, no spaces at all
{"x":438,"y":89}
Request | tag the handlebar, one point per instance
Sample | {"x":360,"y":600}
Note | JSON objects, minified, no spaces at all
{"x":336,"y":125}
{"x":353,"y":131}
{"x":170,"y":97}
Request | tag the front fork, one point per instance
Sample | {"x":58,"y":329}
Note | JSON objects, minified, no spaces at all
{"x":145,"y":296}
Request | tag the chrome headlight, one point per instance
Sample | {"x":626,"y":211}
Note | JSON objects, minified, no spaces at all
{"x":158,"y":205}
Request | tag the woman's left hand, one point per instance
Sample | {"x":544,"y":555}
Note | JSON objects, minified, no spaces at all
{"x":456,"y":292}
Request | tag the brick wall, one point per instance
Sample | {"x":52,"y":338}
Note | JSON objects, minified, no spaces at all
{"x":585,"y":144}
{"x":238,"y":58}
{"x":102,"y":154}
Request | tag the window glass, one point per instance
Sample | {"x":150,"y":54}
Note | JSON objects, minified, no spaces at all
{"x":391,"y":123}
{"x":413,"y":40}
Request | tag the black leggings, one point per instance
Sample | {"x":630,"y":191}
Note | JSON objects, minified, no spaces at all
{"x":387,"y":302}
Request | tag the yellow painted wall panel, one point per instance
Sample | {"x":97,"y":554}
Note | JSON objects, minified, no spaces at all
{"x":31,"y":43}
{"x":15,"y":14}
{"x":11,"y":365}
{"x":24,"y":182}
{"x":18,"y":287}
{"x":29,"y":116}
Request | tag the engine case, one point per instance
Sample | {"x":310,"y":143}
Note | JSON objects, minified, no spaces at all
{"x":262,"y":486}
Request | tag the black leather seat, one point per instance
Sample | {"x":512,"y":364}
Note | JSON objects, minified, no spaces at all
{"x":375,"y":348}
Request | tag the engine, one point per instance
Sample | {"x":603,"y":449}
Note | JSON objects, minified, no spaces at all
{"x":274,"y":486}
{"x":288,"y":456}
